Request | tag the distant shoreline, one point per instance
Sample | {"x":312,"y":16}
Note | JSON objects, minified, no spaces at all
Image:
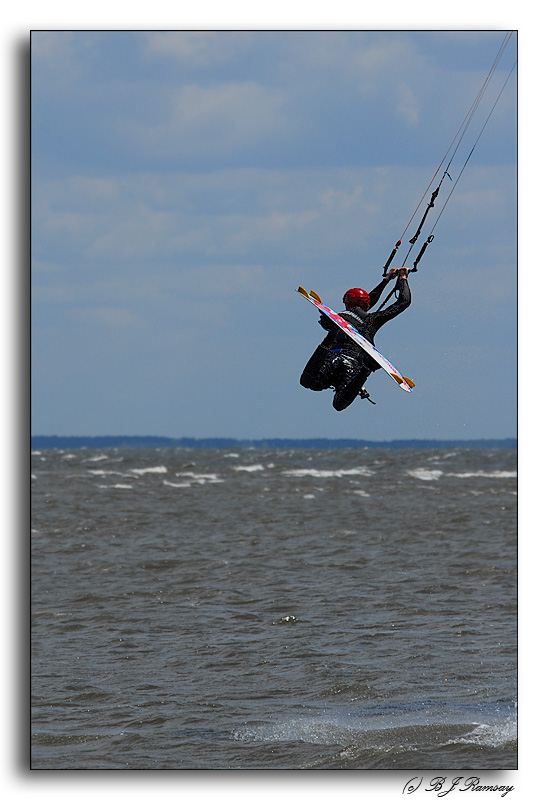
{"x":100,"y":442}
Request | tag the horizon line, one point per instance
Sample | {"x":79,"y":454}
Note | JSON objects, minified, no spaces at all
{"x":106,"y":440}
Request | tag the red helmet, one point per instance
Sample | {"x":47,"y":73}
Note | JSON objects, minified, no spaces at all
{"x":356,"y":297}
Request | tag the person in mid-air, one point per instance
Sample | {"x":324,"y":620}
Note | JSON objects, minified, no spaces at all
{"x":338,"y":362}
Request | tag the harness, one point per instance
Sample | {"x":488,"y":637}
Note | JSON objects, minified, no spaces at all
{"x":341,"y":336}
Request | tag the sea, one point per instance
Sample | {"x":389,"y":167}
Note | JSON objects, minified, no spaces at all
{"x":273,"y":609}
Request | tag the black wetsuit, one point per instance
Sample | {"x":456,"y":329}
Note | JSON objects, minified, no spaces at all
{"x":341,"y":363}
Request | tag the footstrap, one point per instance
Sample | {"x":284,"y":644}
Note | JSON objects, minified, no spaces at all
{"x":364,"y":394}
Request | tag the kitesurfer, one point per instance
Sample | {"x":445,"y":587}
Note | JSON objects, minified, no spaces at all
{"x":338,"y":362}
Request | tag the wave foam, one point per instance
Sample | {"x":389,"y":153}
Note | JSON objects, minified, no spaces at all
{"x":498,"y":473}
{"x":328,"y":473}
{"x":104,"y":472}
{"x":201,"y":478}
{"x":497,"y":735}
{"x":424,"y":474}
{"x":408,"y":726}
{"x":304,"y":730}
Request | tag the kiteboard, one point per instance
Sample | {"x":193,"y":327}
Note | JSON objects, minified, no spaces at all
{"x":404,"y":383}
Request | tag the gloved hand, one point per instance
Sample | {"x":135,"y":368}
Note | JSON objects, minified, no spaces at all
{"x":327,"y":323}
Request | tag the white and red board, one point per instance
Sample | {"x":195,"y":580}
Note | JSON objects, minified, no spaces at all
{"x":404,"y":383}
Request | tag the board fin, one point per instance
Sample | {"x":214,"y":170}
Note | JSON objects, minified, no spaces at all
{"x":399,"y":380}
{"x":302,"y":291}
{"x":315,"y":295}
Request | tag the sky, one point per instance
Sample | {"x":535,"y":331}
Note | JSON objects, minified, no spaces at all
{"x":185,"y":183}
{"x":178,"y":189}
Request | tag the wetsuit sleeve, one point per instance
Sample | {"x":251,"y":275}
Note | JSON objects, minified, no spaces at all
{"x":391,"y":311}
{"x":332,"y":329}
{"x":375,"y":294}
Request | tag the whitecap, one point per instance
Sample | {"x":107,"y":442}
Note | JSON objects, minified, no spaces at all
{"x":104,"y":472}
{"x":143,"y":470}
{"x":328,"y":473}
{"x":177,"y":485}
{"x":496,"y":735}
{"x":201,"y":478}
{"x":116,"y":486}
{"x":249,"y":468}
{"x":424,"y":474}
{"x":380,"y":729}
{"x":498,"y":473}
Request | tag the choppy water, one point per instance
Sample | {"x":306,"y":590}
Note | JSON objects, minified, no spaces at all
{"x":274,"y":609}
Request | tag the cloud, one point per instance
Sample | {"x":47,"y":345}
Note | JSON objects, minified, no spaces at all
{"x":54,"y":52}
{"x":194,"y":48}
{"x":163,"y":215}
{"x":180,"y":177}
{"x":407,"y":105}
{"x":377,"y":62}
{"x":106,"y":317}
{"x":141,"y":221}
{"x":342,"y":199}
{"x":119,"y":101}
{"x":53,"y":295}
{"x":208,"y":121}
{"x":377,"y":66}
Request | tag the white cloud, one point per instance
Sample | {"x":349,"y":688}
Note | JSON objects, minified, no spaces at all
{"x":58,"y":59}
{"x":196,"y":48}
{"x":52,"y":295}
{"x":342,"y":198}
{"x":136,"y":232}
{"x":371,"y":67}
{"x":209,"y":120}
{"x":106,"y":317}
{"x":408,"y":104}
{"x":229,"y":214}
{"x":53,"y":50}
